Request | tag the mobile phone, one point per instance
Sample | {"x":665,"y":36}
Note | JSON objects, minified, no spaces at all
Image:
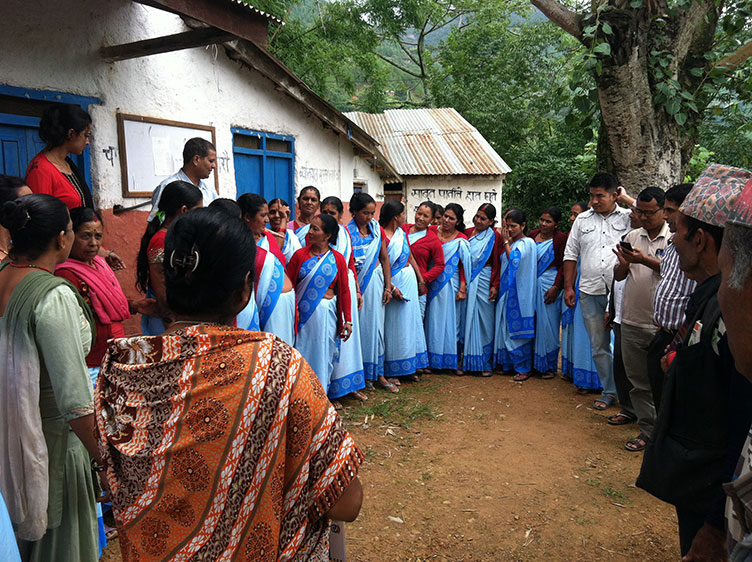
{"x":626,"y":245}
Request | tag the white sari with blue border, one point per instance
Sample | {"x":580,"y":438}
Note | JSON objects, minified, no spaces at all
{"x":317,"y":338}
{"x":576,"y":354}
{"x":301,"y":233}
{"x":547,"y":316}
{"x":270,"y":310}
{"x":515,"y":310}
{"x":366,"y":251}
{"x":445,"y":319}
{"x":348,"y":375}
{"x":404,"y":340}
{"x":480,"y":324}
{"x":412,"y":238}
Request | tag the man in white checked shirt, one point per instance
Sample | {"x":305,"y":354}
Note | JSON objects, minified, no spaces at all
{"x":671,"y":295}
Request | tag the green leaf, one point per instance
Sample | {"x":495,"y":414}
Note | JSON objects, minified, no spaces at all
{"x":693,"y":106}
{"x":602,"y":48}
{"x":607,"y":28}
{"x":636,"y":4}
{"x":696,"y":71}
{"x":681,"y":118}
{"x":672,"y":106}
{"x":590,"y":29}
{"x":686,"y":95}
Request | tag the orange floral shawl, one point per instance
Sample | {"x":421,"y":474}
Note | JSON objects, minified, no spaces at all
{"x":221,"y":445}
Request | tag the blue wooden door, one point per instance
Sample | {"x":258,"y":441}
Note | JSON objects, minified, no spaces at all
{"x":264,"y":164}
{"x":19,"y":143}
{"x":248,"y":173}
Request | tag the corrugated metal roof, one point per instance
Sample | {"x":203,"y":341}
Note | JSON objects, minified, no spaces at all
{"x":431,"y":142}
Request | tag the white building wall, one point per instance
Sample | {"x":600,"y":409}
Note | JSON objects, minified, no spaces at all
{"x":468,"y":191}
{"x":54,"y":46}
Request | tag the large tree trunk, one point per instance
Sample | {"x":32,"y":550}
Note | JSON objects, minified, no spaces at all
{"x":640,"y":142}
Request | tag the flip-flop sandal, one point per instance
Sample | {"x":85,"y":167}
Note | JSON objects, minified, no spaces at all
{"x":521,"y":377}
{"x":337,"y":405}
{"x":620,"y":419}
{"x":486,"y":374}
{"x":360,"y":396}
{"x":548,"y":376}
{"x":390,"y":387}
{"x":393,"y":381}
{"x":637,"y":444}
{"x":606,"y":402}
{"x":369,"y":386}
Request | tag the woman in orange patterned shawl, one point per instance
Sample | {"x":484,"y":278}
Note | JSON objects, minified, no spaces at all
{"x":220,"y":443}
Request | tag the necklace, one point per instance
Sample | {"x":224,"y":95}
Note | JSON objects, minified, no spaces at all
{"x":443,"y":239}
{"x":29,"y":266}
{"x":318,"y":256}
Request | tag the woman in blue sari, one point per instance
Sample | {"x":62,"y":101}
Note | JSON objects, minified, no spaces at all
{"x":375,"y":282}
{"x":550,"y":244}
{"x":446,"y":295}
{"x":576,"y":354}
{"x":482,"y":290}
{"x":347,"y":376}
{"x":323,"y":298}
{"x":515,"y":310}
{"x":404,"y":340}
{"x":274,"y":293}
{"x":308,"y":205}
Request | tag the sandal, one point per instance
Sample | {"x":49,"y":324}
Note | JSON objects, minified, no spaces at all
{"x":520,"y":377}
{"x":486,"y":374}
{"x":604,"y":402}
{"x":637,"y":444}
{"x":369,"y":385}
{"x":413,"y":378}
{"x":579,"y":390}
{"x":459,"y":373}
{"x":359,"y":395}
{"x":622,"y":418}
{"x":337,"y":405}
{"x":548,"y":376}
{"x":390,"y":387}
{"x":393,"y":381}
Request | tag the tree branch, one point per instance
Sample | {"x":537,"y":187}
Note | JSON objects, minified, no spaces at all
{"x":566,"y":19}
{"x":739,"y":57}
{"x":408,"y":53}
{"x":697,"y":21}
{"x":399,"y":67}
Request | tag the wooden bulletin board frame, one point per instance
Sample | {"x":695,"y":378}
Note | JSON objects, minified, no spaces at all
{"x":171,"y":128}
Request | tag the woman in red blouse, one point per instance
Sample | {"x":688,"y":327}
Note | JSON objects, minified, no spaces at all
{"x":319,"y":274}
{"x":65,"y":129}
{"x":426,"y":249}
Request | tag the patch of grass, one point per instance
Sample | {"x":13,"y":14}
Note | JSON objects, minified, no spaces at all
{"x":593,"y":482}
{"x":414,"y":402}
{"x":616,"y":495}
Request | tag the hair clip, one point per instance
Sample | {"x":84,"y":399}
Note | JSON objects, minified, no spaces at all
{"x":28,"y":218}
{"x":160,"y":215}
{"x":188,"y":262}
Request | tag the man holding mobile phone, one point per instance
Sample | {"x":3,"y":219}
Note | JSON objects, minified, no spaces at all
{"x":639,"y":256}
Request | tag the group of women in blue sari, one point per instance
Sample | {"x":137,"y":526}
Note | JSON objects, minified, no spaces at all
{"x":376,"y":302}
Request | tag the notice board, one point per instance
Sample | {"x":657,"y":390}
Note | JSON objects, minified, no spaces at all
{"x":151,"y":149}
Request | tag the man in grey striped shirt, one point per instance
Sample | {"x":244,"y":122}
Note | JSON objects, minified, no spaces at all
{"x":671,"y":295}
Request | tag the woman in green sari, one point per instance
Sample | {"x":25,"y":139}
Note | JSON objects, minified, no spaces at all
{"x":47,"y":431}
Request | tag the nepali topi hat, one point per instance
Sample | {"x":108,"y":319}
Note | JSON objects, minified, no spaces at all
{"x":741,"y":214}
{"x":714,"y":194}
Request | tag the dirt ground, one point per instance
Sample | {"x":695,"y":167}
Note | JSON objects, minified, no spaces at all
{"x":473,"y":469}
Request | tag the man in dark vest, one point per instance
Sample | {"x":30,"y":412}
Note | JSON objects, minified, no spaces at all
{"x":704,"y":414}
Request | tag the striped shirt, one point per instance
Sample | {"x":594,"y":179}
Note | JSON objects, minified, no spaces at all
{"x":673,"y":291}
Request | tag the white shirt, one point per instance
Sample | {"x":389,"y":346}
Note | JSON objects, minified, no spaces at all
{"x":592,"y":240}
{"x":208,"y":192}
